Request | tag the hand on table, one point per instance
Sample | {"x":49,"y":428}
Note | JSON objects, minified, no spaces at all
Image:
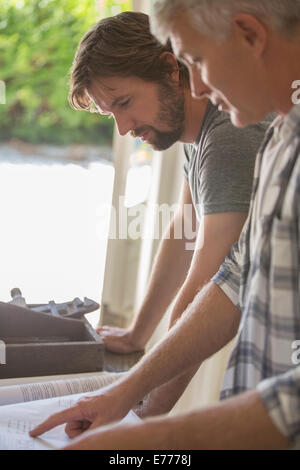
{"x":119,"y":340}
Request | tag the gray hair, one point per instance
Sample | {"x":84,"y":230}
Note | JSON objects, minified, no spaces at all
{"x":214,"y":17}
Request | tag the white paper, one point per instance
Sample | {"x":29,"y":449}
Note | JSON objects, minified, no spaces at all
{"x":17,"y":420}
{"x":55,"y":388}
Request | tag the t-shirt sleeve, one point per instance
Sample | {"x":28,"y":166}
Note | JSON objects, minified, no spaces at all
{"x":225,"y":170}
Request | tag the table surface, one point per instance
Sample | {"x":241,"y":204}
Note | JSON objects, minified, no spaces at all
{"x":120,"y":362}
{"x":112,"y":363}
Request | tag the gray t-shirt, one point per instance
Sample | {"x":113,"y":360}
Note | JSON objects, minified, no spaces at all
{"x":219,"y":166}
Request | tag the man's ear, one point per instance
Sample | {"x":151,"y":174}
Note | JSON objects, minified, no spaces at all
{"x":171,"y":59}
{"x":252,"y":32}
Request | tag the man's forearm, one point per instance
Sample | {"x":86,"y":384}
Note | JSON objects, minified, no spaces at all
{"x":163,"y":399}
{"x":239,"y":423}
{"x":209,"y":323}
{"x":169,"y":271}
{"x":205,"y":263}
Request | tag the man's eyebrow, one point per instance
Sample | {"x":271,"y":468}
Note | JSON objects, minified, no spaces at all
{"x":118,"y":100}
{"x":115,"y":102}
{"x":112,"y":106}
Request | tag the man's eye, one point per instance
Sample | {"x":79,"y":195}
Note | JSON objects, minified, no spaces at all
{"x":125,"y":103}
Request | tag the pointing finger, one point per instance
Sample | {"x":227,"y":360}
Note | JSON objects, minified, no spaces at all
{"x":71,"y":414}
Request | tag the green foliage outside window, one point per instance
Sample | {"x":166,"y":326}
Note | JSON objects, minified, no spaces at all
{"x":38,"y":39}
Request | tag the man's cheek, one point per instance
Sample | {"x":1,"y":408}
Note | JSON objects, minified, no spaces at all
{"x":215,"y":86}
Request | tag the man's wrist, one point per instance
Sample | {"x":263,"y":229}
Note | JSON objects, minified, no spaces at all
{"x":151,"y":405}
{"x":138,"y":336}
{"x":134,"y":340}
{"x":130,"y":389}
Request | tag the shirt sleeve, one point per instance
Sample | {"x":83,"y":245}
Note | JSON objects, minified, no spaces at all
{"x":226,"y":168}
{"x":228,"y":276}
{"x":281,"y":397}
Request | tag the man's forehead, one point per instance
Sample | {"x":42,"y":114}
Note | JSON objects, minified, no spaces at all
{"x":182,"y":36}
{"x":183,"y":50}
{"x":101,"y":90}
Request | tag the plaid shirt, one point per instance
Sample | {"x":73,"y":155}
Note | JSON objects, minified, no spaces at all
{"x":266,"y":286}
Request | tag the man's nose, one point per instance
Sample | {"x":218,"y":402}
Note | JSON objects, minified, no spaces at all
{"x":124,"y":124}
{"x":198,"y":87}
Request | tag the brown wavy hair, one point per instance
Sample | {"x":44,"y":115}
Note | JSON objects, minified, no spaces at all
{"x":122,"y":46}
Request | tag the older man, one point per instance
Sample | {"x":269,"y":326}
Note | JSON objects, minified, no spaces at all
{"x":245,"y":50}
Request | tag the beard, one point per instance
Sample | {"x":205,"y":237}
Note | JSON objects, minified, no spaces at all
{"x":171,"y":114}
